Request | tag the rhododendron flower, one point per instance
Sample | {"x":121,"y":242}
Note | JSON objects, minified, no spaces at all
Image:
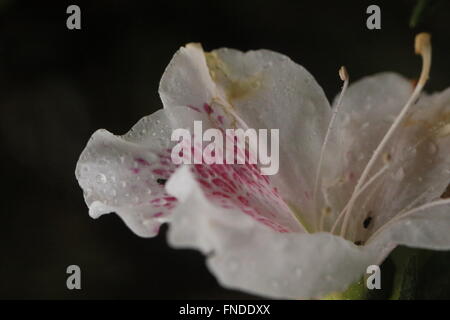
{"x":355,"y":180}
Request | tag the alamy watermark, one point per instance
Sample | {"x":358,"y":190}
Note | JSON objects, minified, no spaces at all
{"x":74,"y":279}
{"x":227,"y":146}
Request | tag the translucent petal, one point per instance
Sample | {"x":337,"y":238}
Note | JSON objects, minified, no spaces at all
{"x":418,"y":169}
{"x":127,"y":174}
{"x":266,"y":90}
{"x":247,"y":255}
{"x":424,"y":227}
{"x":367,"y":111}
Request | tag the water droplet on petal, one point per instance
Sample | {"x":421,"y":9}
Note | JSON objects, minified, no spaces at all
{"x":399,"y":175}
{"x":101,"y":178}
{"x":432,"y":148}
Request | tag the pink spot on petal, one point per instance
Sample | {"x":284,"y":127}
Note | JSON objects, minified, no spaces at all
{"x":161,"y":172}
{"x":194,"y":108}
{"x":243,"y":200}
{"x":207,"y":108}
{"x":220,"y":194}
{"x":170,"y":199}
{"x":142,"y":161}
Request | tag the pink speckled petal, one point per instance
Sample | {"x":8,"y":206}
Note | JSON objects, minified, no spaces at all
{"x":243,"y":188}
{"x":266,"y":90}
{"x":248,"y":255}
{"x":127,"y":174}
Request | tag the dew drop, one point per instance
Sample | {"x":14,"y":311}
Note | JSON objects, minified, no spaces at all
{"x":399,"y":175}
{"x":432,"y":148}
{"x":101,"y":178}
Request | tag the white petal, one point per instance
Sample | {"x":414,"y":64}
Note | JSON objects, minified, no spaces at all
{"x":368,"y":109}
{"x":126,"y":174}
{"x":420,"y":152}
{"x":245,"y":254}
{"x":424,"y":227}
{"x":186,"y":80}
{"x":419,"y":169}
{"x":266,"y":90}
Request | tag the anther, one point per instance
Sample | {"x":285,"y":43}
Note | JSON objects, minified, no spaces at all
{"x":343,"y":74}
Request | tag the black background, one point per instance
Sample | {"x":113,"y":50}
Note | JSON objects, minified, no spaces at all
{"x":57,"y":86}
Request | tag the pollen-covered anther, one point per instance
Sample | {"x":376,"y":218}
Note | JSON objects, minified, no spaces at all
{"x":343,"y":74}
{"x":422,"y":46}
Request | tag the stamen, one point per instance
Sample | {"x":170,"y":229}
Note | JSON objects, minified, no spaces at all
{"x":343,"y":74}
{"x":325,"y":212}
{"x":422,"y":47}
{"x":358,"y":193}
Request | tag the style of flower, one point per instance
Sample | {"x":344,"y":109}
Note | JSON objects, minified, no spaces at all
{"x":355,"y":180}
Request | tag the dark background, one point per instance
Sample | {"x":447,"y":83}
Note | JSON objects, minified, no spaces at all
{"x":57,"y":86}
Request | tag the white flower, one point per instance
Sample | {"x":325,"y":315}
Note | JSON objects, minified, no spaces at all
{"x":352,"y":185}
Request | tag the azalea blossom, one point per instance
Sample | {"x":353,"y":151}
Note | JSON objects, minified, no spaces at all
{"x":355,"y":179}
